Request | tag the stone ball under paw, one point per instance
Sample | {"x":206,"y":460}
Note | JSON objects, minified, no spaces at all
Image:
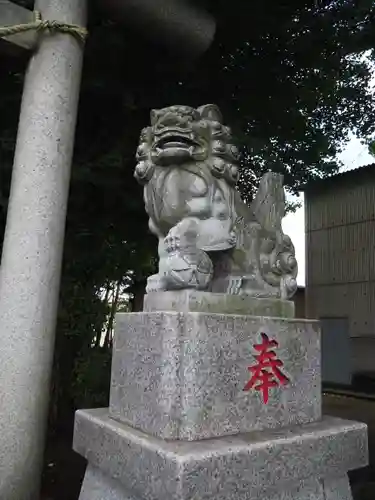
{"x":188,"y":271}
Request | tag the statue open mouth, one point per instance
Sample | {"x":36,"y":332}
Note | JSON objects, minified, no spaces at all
{"x":176,"y":147}
{"x":173,"y":140}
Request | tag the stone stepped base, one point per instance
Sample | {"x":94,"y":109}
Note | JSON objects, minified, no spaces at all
{"x":306,"y":462}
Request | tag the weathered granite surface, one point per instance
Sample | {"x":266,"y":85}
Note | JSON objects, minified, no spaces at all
{"x":98,"y":486}
{"x":215,"y":388}
{"x":209,"y":239}
{"x":182,"y":375}
{"x":31,"y":253}
{"x":299,"y":462}
{"x":197,"y":301}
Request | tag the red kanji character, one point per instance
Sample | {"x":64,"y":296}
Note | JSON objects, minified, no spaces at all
{"x":267,"y":372}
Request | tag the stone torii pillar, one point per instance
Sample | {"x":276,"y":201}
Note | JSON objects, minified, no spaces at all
{"x":33,"y":242}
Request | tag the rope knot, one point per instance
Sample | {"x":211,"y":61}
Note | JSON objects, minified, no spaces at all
{"x":48,"y":25}
{"x":39,"y":25}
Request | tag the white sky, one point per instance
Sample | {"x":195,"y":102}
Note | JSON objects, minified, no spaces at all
{"x":355,"y":155}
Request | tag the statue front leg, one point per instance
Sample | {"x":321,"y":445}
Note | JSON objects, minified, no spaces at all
{"x":185,"y":265}
{"x":155,"y":282}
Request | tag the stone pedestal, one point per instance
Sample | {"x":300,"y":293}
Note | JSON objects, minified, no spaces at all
{"x":191,"y":415}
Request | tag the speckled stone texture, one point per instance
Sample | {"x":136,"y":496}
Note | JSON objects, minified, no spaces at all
{"x":181,"y":427}
{"x":33,"y":246}
{"x":182,"y":375}
{"x":307,"y":462}
{"x":98,"y":486}
{"x":196,"y":301}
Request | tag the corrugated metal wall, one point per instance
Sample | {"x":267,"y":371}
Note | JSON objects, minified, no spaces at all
{"x":340,"y":255}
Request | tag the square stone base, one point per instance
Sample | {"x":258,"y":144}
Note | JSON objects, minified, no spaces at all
{"x":188,"y":375}
{"x":222,"y":303}
{"x":307,"y":462}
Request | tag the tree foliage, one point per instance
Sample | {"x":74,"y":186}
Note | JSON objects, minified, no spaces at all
{"x":289,"y":78}
{"x":291,"y":81}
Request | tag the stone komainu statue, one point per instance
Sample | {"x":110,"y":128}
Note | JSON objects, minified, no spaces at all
{"x":208,"y":238}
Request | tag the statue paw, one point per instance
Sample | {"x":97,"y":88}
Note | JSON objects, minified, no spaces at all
{"x":154,"y":284}
{"x":288,"y":287}
{"x":172,"y":242}
{"x":234,"y":285}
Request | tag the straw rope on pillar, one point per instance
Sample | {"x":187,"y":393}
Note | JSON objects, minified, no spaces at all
{"x":38,"y":25}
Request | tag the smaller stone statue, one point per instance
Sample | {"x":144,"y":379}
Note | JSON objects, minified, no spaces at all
{"x":208,"y":238}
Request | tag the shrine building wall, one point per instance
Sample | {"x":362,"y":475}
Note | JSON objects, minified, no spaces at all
{"x":299,"y":302}
{"x":340,"y":268}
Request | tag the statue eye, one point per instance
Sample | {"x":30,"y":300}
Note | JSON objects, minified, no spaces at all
{"x":216,"y":128}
